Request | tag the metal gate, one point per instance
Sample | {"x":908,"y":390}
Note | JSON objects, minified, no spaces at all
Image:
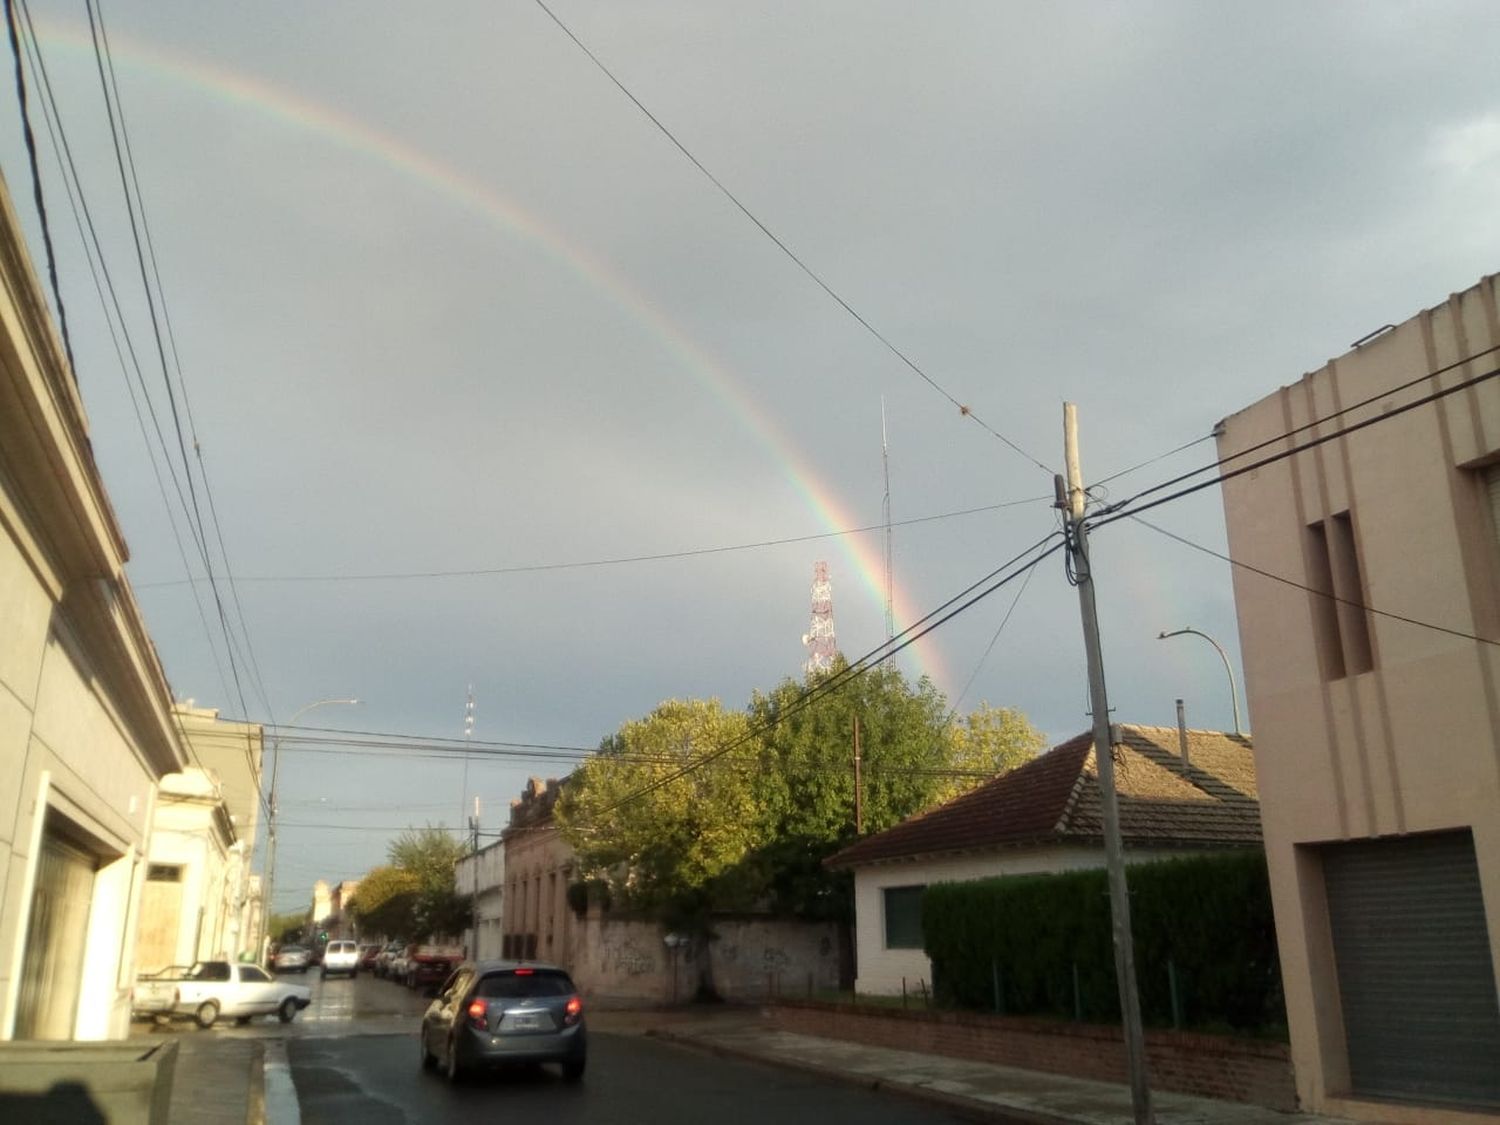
{"x":52,"y":964}
{"x":1414,"y":969}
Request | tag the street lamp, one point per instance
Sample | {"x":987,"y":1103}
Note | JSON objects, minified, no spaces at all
{"x":1234,"y":698}
{"x":268,"y":907}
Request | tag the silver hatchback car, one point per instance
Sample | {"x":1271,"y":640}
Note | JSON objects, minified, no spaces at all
{"x":496,"y":1013}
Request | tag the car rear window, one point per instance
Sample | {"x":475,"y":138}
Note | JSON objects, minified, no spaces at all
{"x":341,"y":947}
{"x":523,"y":985}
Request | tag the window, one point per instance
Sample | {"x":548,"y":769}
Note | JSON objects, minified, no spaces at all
{"x":903,"y":917}
{"x":524,"y":985}
{"x":250,"y":972}
{"x":164,"y":873}
{"x":1340,"y":620}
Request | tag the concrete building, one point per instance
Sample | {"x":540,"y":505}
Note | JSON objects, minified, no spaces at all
{"x":1045,"y":816}
{"x":86,"y":728}
{"x":482,"y":875}
{"x":538,"y":866}
{"x":190,"y":906}
{"x":1373,"y":678}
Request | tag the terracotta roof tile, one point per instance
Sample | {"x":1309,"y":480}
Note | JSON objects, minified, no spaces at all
{"x":1055,"y":799}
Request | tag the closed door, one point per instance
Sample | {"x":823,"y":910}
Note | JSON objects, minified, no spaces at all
{"x":52,"y":965}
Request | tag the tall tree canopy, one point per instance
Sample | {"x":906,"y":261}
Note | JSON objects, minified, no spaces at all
{"x":414,"y":897}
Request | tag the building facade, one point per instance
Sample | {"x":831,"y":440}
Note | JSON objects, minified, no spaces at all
{"x":86,"y":729}
{"x":538,"y":922}
{"x":481,"y":875}
{"x":1369,"y":626}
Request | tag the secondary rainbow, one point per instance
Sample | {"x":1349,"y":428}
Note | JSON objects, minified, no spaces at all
{"x":499,"y":211}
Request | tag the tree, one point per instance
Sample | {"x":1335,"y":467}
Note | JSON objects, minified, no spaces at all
{"x":992,"y":740}
{"x":385,"y":902}
{"x":427,"y":855}
{"x":287,"y":927}
{"x":666,"y":812}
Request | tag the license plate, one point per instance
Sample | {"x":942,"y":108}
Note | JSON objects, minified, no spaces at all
{"x":525,"y":1021}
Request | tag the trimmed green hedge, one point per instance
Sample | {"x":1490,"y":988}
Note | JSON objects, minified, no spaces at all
{"x":1208,"y":916}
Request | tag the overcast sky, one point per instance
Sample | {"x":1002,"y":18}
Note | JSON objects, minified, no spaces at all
{"x":445,"y":299}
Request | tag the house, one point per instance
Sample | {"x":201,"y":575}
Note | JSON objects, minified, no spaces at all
{"x":1373,"y":677}
{"x":86,"y":728}
{"x":481,"y":874}
{"x":1180,"y":792}
{"x":538,"y":865}
{"x":191,"y":895}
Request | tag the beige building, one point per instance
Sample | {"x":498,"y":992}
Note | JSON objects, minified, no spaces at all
{"x":538,"y":867}
{"x":190,"y":905}
{"x":86,"y":728}
{"x":1374,"y":686}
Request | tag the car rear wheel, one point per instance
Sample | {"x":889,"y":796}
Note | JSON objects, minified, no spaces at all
{"x":288,"y":1010}
{"x":572,"y":1069}
{"x":207,"y":1014}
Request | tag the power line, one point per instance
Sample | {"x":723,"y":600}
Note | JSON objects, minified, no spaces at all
{"x":958,"y":702}
{"x":621,"y":560}
{"x":963,"y":409}
{"x":1443,"y":370}
{"x":1120,"y":510}
{"x":36,"y":182}
{"x":1313,"y":590}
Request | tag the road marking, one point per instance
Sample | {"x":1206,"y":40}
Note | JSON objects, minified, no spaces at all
{"x":281,"y":1093}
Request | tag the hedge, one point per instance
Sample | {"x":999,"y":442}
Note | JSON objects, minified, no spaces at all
{"x":1046,"y":940}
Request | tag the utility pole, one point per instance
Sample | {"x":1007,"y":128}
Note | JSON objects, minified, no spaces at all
{"x":474,"y":901}
{"x":1070,"y":498}
{"x":859,"y":789}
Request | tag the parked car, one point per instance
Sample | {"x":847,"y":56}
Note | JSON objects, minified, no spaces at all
{"x":291,"y":959}
{"x":340,"y":957}
{"x":384,"y":958}
{"x":211,"y":989}
{"x":429,"y":965}
{"x":494,"y":1013}
{"x":367,"y":954}
{"x":395,"y":968}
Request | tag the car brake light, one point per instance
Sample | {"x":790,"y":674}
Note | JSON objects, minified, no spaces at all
{"x":478,"y":1011}
{"x":525,"y":972}
{"x":573,"y":1012}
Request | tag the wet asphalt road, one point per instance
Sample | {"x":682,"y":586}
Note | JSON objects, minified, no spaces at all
{"x":378,"y":1080}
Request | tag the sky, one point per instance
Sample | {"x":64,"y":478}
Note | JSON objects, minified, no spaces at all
{"x":444,"y":299}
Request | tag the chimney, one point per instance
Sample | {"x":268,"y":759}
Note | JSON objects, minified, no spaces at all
{"x":1182,"y":735}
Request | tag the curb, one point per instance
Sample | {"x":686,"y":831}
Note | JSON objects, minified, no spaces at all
{"x":968,"y":1108}
{"x":255,"y":1108}
{"x":278,"y":1093}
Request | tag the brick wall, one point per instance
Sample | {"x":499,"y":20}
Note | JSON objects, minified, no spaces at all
{"x":1212,"y":1066}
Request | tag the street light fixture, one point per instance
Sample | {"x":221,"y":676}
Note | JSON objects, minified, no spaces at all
{"x":268,"y":891}
{"x":1234,"y":698}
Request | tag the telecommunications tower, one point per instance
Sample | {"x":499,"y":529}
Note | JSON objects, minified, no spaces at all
{"x":819,"y":637}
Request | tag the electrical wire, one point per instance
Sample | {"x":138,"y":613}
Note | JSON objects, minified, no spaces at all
{"x":958,"y":702}
{"x":964,"y":410}
{"x":534,"y":568}
{"x":1186,"y":542}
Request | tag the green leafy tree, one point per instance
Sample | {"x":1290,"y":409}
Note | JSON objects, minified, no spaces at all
{"x":385,"y":902}
{"x":428,"y":855}
{"x":668,"y":838}
{"x":990,"y":741}
{"x":285,"y":928}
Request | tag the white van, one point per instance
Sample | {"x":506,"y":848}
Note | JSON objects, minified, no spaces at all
{"x":341,"y":957}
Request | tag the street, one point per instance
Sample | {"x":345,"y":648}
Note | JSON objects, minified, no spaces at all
{"x":353,"y":1056}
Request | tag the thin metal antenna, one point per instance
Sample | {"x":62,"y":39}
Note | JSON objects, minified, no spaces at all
{"x":463,"y":804}
{"x":885,"y":512}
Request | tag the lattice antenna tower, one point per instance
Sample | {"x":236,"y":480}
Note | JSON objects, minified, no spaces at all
{"x":885,"y":512}
{"x":463,"y":803}
{"x":819,"y":638}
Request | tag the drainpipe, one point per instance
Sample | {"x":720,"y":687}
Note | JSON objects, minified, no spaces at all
{"x":1182,"y":741}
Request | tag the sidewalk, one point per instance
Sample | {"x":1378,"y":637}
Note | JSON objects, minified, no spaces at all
{"x":977,"y":1091}
{"x":218,"y":1082}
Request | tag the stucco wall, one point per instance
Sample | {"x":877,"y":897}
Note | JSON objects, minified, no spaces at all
{"x":1413,"y":744}
{"x":881,"y":971}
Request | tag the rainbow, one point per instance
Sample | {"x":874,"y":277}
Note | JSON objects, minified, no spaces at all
{"x":504,"y":214}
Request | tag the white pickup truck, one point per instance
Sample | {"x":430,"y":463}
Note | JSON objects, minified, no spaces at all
{"x":211,"y":989}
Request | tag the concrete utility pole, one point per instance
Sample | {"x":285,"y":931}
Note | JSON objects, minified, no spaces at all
{"x":859,"y":789}
{"x":474,"y":901}
{"x":1070,"y":499}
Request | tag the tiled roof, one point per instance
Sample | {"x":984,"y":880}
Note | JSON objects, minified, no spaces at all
{"x":1055,"y":799}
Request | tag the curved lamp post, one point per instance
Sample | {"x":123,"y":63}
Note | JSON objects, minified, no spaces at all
{"x":268,"y":901}
{"x":1234,"y":698}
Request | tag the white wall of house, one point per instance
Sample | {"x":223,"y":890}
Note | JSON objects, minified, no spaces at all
{"x":85,"y":731}
{"x":482,"y":874}
{"x":882,"y":970}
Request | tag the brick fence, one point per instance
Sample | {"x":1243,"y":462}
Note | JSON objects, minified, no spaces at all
{"x":1212,"y":1066}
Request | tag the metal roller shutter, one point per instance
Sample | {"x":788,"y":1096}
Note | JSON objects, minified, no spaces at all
{"x":1414,"y":969}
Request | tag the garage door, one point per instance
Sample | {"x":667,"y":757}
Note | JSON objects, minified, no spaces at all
{"x":1414,"y":969}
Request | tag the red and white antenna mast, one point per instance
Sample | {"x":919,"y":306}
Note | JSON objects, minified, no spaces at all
{"x":819,"y":639}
